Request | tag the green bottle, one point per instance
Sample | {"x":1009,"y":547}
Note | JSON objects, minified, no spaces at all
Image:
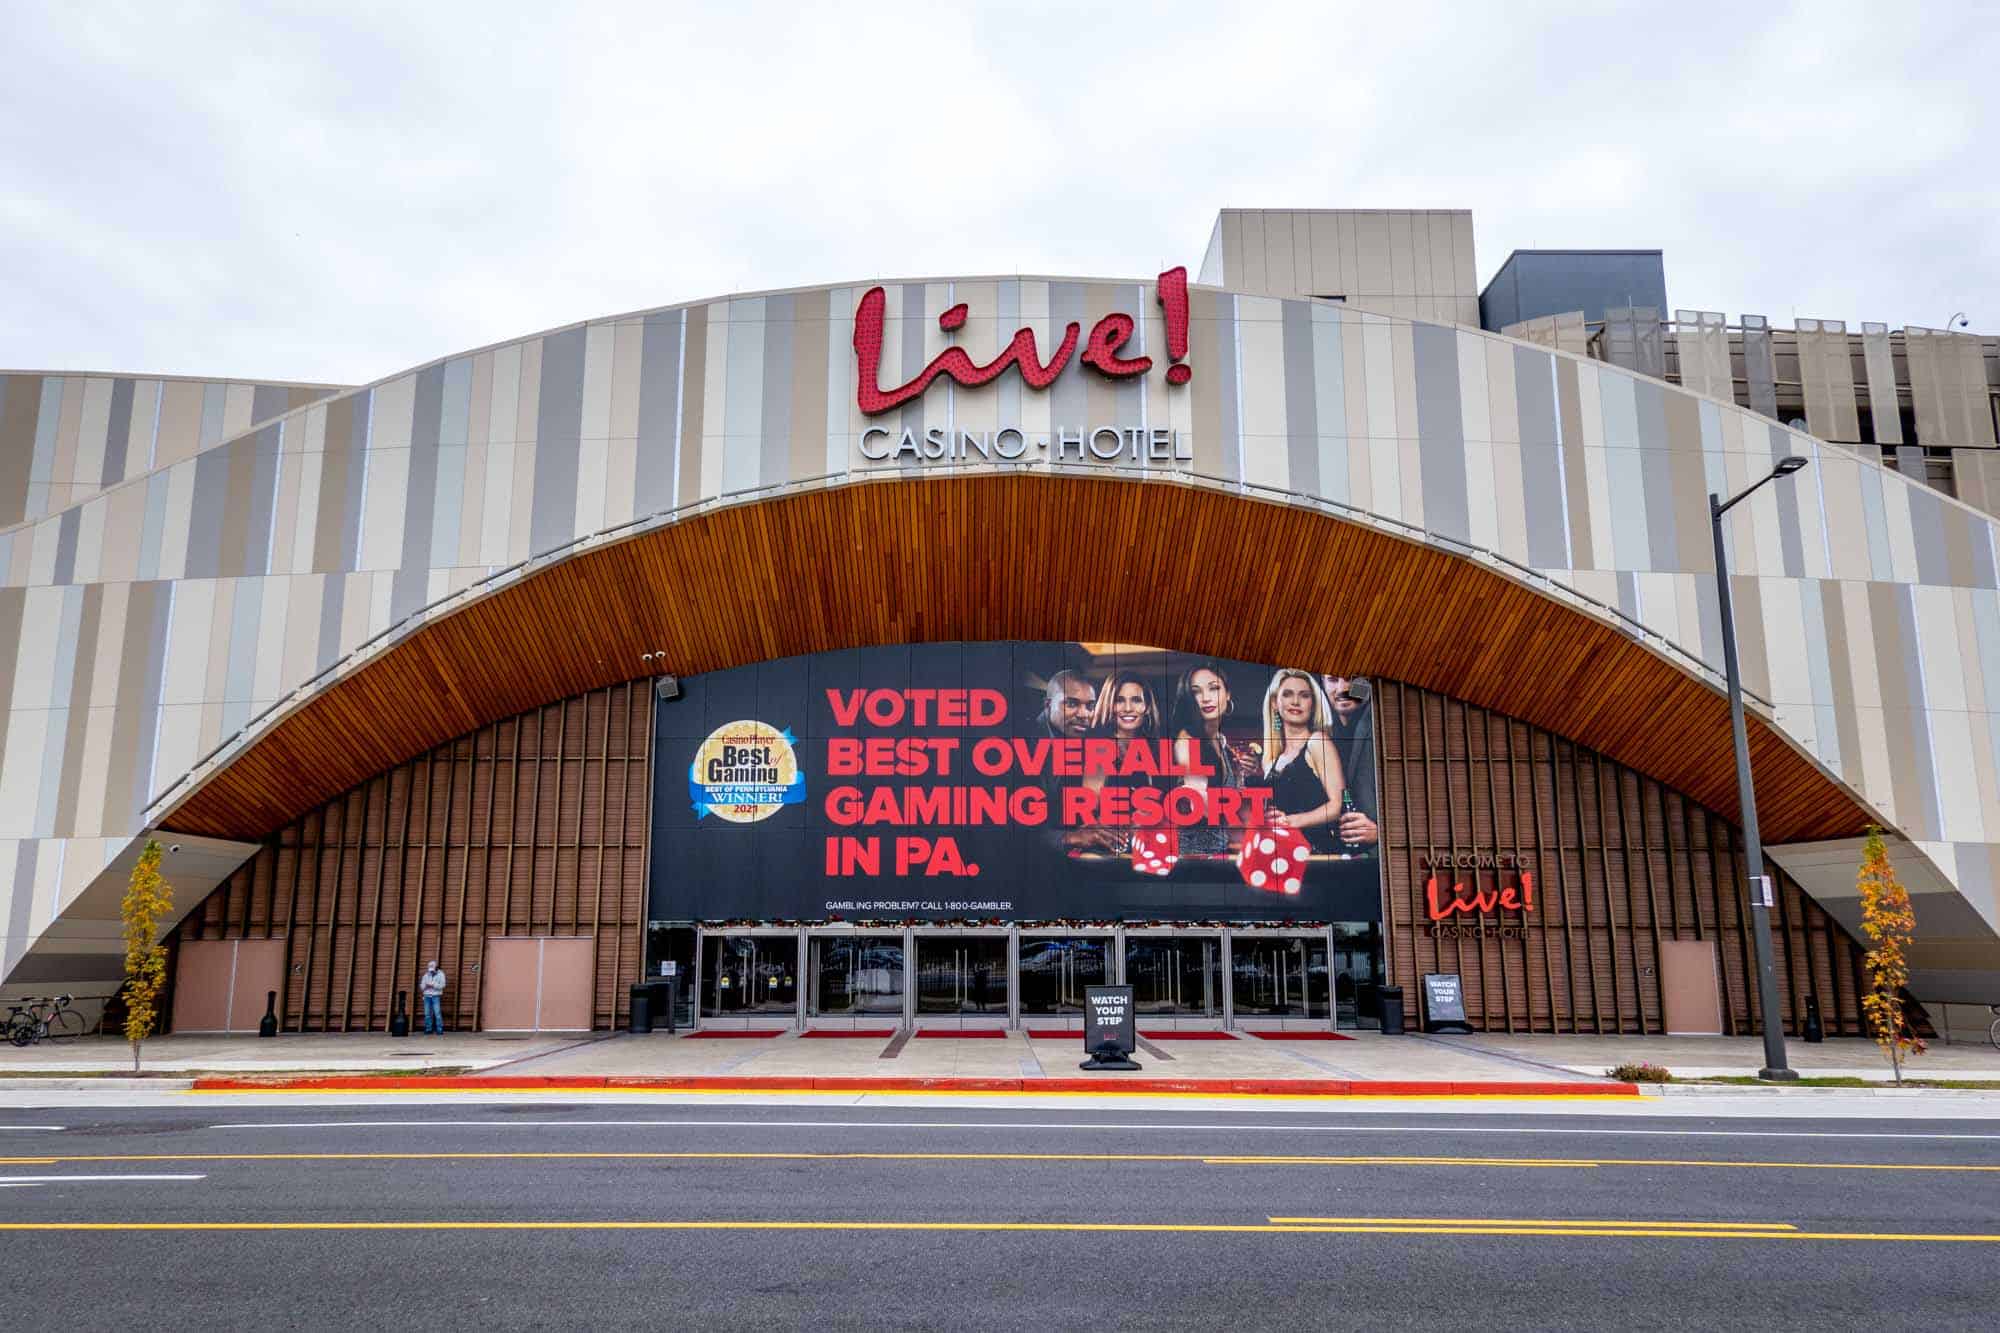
{"x":1347,"y":807}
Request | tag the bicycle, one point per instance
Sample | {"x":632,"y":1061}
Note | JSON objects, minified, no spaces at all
{"x":44,"y":1018}
{"x":1993,"y":1033}
{"x":24,"y":1026}
{"x":63,"y":1019}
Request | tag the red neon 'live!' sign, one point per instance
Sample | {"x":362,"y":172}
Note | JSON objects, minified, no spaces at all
{"x":1102,"y":352}
{"x":1477,"y":901}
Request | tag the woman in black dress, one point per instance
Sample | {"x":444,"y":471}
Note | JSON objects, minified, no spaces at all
{"x":1202,"y":702}
{"x":1301,"y":766}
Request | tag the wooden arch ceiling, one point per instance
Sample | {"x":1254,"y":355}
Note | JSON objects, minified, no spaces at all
{"x":1019,"y":557}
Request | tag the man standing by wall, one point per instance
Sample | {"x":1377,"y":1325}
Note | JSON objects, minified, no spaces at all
{"x":432,"y":985}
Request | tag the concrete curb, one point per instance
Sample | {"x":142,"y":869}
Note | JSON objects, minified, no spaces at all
{"x":1239,"y":1087}
{"x":18,"y":1085}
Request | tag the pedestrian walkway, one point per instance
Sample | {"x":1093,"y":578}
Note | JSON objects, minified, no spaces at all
{"x":1486,"y":1058}
{"x":335,"y":1052}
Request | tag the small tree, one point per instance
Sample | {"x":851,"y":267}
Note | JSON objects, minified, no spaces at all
{"x":1888,"y":921}
{"x":148,"y":898}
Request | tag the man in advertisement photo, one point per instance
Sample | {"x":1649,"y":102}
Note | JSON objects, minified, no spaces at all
{"x":1352,"y":734}
{"x":1068,"y":706}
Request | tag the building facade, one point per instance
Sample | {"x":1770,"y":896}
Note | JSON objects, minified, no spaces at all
{"x":614,"y":646}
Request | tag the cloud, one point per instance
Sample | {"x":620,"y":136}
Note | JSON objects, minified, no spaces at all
{"x":338,"y":196}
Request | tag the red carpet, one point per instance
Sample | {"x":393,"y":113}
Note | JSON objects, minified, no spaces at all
{"x":876,"y":1033}
{"x":1191,"y":1034}
{"x":1301,"y":1036}
{"x":962,"y":1032}
{"x":1055,"y":1034}
{"x":728,"y":1034}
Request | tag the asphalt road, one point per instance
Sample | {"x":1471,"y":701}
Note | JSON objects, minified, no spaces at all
{"x":439,"y":1216}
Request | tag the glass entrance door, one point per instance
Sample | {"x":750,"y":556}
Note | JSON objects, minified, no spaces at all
{"x":857,"y":975}
{"x":1357,"y":974}
{"x":1277,"y":976}
{"x":1055,"y":970}
{"x":964,"y":975}
{"x":1175,"y":975}
{"x":749,"y":974}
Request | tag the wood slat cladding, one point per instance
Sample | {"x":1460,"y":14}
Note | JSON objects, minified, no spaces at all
{"x":1621,"y":862}
{"x":988,"y":557}
{"x":537,"y":824}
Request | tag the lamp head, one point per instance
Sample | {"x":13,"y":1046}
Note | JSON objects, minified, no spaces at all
{"x":1790,"y":464}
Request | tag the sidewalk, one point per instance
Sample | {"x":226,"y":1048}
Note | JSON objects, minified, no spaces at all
{"x":339,"y":1052}
{"x":1411,"y":1060}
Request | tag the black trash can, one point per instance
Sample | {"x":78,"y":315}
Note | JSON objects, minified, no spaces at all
{"x":1815,"y":1029}
{"x":641,"y":1021}
{"x":1392,"y":1011}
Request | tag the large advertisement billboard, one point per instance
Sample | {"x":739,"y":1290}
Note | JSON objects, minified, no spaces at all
{"x":1016,"y":781}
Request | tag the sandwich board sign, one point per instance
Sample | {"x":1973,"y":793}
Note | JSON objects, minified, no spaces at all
{"x":1444,"y":1003}
{"x":1110,"y":1027}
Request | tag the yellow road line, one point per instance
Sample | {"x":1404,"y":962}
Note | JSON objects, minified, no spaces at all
{"x":1646,"y":1232}
{"x":1656,"y":1224}
{"x":1205,"y":1159}
{"x":1609,"y":1161}
{"x":571,"y":1094}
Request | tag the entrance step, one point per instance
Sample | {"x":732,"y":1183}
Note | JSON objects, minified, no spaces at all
{"x":871,"y":1034}
{"x":1188,"y":1034}
{"x":1299,"y":1036}
{"x":729,"y":1034}
{"x":972,"y":1033}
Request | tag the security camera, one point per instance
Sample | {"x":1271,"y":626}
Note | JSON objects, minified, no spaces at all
{"x":173,"y":847}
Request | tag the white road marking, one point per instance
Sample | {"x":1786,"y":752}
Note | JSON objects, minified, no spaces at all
{"x":38,"y":1127}
{"x":1100,"y":1125}
{"x":71,"y":1180}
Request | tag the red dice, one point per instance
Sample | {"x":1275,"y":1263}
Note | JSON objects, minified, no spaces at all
{"x":1155,"y":851}
{"x":1273,"y":859}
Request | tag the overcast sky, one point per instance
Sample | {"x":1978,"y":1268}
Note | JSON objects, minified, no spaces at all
{"x":344,"y":191}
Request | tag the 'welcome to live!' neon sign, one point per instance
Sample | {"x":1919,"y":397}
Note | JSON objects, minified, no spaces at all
{"x":1471,"y":901}
{"x":1102,"y":352}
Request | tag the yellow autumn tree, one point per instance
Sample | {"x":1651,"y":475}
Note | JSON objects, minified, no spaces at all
{"x":148,"y":899}
{"x":1888,"y":920}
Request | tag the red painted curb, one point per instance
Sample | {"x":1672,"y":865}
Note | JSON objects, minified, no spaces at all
{"x":1263,"y":1087}
{"x":1291,"y":1087}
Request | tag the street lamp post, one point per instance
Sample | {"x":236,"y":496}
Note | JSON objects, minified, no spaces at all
{"x":1753,"y":847}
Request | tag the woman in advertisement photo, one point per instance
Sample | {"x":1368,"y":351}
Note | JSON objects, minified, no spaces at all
{"x":1300,"y":765}
{"x":1202,"y":708}
{"x":1126,"y":711}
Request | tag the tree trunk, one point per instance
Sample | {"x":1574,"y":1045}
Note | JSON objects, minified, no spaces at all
{"x":135,"y":1057}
